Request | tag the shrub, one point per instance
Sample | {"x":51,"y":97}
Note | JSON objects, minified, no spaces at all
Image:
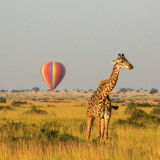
{"x":35,"y":111}
{"x":18,"y":130}
{"x":128,"y":122}
{"x":6,"y":108}
{"x":66,"y":137}
{"x":143,"y":105}
{"x":51,"y":105}
{"x":156,"y":111}
{"x":55,"y":135}
{"x":139,"y":114}
{"x":131,"y":107}
{"x":2,"y":100}
{"x":117,"y":101}
{"x":51,"y":134}
{"x":18,"y":103}
{"x":139,"y":118}
{"x":115,"y":96}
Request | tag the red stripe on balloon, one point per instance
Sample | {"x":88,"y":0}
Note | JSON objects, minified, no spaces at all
{"x":58,"y":74}
{"x":47,"y":73}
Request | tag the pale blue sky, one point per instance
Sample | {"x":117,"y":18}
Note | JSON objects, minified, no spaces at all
{"x":85,"y":36}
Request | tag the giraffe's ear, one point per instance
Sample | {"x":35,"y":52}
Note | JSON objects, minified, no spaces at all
{"x":119,"y":55}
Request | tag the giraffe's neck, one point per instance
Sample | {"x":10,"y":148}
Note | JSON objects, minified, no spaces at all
{"x":114,"y":76}
{"x":111,"y":81}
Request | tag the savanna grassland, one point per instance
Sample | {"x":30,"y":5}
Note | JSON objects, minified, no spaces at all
{"x":52,"y":126}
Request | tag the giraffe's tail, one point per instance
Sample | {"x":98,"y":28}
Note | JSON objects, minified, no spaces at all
{"x":115,"y":107}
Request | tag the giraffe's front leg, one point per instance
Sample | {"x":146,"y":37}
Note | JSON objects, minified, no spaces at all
{"x":90,"y":120}
{"x":107,"y":119}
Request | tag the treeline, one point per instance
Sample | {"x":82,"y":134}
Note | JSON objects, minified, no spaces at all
{"x":152,"y":91}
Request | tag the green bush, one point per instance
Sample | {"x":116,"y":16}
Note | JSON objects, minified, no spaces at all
{"x":18,"y":130}
{"x":139,"y":114}
{"x":18,"y":103}
{"x":139,"y":118}
{"x":156,"y":111}
{"x":55,"y":135}
{"x":143,"y":105}
{"x":115,"y":96}
{"x":6,"y":108}
{"x":2,"y":100}
{"x":128,"y":122}
{"x":36,"y":111}
{"x":66,"y":137}
{"x":117,"y":101}
{"x":130,"y":108}
{"x":51,"y":105}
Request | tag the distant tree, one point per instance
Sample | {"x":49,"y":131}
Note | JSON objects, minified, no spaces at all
{"x":137,"y":90}
{"x":17,"y":90}
{"x":36,"y":89}
{"x":130,"y":89}
{"x":153,"y":91}
{"x":2,"y":90}
{"x":123,"y":90}
{"x":78,"y":90}
{"x":65,"y":90}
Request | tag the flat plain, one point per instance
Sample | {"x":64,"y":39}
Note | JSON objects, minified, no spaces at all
{"x":49,"y":125}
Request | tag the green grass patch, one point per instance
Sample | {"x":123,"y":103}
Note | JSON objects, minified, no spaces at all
{"x":155,"y":111}
{"x":18,"y":103}
{"x":34,"y":110}
{"x":2,"y":100}
{"x":6,"y":108}
{"x":139,"y":118}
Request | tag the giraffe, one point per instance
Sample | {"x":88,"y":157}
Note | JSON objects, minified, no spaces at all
{"x":99,"y":105}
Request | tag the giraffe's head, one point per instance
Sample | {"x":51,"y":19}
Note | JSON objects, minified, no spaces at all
{"x":122,"y":62}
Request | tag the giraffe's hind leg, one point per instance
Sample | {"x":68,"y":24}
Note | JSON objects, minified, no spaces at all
{"x":90,"y":120}
{"x":107,"y":119}
{"x":102,"y":128}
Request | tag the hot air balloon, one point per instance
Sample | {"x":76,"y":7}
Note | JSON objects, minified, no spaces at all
{"x":53,"y":73}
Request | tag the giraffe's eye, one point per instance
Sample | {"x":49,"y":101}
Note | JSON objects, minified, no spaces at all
{"x":122,"y":61}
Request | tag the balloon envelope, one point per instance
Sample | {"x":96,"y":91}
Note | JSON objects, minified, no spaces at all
{"x":53,"y":73}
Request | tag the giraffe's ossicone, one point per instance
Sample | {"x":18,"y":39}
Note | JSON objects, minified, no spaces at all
{"x":99,"y":105}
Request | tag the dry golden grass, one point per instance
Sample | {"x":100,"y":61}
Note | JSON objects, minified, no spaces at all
{"x":28,"y":135}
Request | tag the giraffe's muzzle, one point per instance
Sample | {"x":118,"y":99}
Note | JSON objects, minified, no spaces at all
{"x":130,"y":66}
